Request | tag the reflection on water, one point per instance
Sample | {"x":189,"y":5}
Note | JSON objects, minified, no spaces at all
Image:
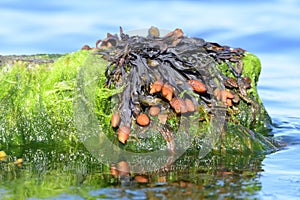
{"x":49,"y":172}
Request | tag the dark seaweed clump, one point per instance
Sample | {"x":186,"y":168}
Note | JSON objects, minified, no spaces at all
{"x":175,"y":74}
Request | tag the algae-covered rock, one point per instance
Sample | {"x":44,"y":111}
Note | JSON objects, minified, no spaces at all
{"x":66,"y":99}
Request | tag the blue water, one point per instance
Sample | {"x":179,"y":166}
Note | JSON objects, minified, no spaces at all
{"x":269,"y":29}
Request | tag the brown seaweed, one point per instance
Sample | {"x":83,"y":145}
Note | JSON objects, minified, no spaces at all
{"x":182,"y":66}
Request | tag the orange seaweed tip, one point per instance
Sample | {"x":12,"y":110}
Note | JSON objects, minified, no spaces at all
{"x":197,"y":86}
{"x":123,"y":134}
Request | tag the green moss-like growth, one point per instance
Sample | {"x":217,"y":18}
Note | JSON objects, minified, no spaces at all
{"x":36,"y":98}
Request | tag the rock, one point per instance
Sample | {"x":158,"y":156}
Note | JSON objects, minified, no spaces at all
{"x":58,"y":98}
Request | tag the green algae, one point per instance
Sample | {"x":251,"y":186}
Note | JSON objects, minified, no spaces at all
{"x":36,"y":99}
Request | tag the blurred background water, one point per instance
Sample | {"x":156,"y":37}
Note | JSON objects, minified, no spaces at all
{"x":269,"y":29}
